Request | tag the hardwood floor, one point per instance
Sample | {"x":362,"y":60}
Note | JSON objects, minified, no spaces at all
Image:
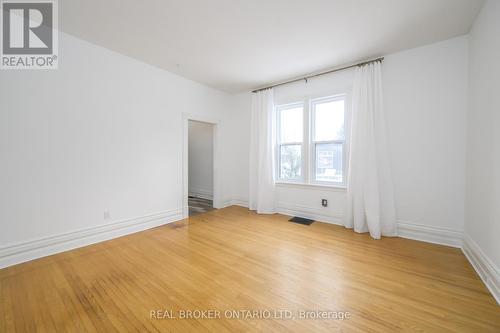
{"x":233,"y":259}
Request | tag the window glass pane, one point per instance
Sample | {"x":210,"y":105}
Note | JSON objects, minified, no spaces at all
{"x":291,"y":125}
{"x":329,"y":162}
{"x":290,"y":162}
{"x":329,"y":121}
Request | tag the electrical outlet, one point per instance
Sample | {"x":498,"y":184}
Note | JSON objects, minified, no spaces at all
{"x":107,"y":215}
{"x":324,"y":202}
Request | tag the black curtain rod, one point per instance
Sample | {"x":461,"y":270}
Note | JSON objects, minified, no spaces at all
{"x":319,"y":74}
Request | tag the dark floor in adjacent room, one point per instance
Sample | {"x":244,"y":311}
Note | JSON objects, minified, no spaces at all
{"x":199,"y":205}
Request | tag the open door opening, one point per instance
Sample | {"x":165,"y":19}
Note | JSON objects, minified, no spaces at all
{"x":200,"y":167}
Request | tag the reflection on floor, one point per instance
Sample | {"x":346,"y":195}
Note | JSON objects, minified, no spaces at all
{"x":199,"y":205}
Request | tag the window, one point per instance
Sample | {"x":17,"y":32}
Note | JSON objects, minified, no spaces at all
{"x":290,"y":141}
{"x":328,"y":139}
{"x":312,"y":141}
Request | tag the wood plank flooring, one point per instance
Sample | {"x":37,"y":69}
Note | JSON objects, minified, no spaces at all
{"x":233,"y":259}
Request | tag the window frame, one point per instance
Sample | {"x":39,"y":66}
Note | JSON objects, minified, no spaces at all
{"x":308,"y":145}
{"x":313,"y":143}
{"x":278,"y":110}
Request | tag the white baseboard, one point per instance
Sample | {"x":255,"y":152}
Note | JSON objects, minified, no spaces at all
{"x":199,"y":193}
{"x":294,"y":210}
{"x":430,"y":234}
{"x":485,"y":268}
{"x":235,"y":202}
{"x":406,"y":229}
{"x":317,"y":214}
{"x":42,"y":247}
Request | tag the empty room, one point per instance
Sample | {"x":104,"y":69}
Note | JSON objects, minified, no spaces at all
{"x":250,"y":166}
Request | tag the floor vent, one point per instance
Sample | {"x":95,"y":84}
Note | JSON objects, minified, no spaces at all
{"x":301,"y":220}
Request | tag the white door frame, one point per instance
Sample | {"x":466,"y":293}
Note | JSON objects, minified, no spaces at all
{"x":186,"y":117}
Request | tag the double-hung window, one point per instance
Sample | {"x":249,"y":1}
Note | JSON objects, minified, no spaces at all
{"x":312,"y":141}
{"x":328,"y":140}
{"x":290,"y":139}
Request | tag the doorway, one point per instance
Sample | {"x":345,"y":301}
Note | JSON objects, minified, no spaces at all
{"x":200,"y":167}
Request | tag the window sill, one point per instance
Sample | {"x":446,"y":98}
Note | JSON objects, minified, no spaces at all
{"x":339,"y":188}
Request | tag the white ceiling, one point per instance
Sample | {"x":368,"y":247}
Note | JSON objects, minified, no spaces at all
{"x":238,"y":45}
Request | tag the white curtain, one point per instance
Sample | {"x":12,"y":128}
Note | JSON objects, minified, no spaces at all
{"x":370,"y":194}
{"x":262,"y":145}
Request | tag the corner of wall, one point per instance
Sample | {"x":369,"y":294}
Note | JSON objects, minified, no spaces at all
{"x":485,"y":268}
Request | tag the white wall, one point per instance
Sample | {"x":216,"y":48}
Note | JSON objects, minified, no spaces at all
{"x":425,"y":97}
{"x":101,"y":133}
{"x":237,"y":163}
{"x":482,"y":223}
{"x":200,"y":151}
{"x":104,"y":133}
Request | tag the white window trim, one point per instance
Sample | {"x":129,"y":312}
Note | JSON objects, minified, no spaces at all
{"x":308,"y":151}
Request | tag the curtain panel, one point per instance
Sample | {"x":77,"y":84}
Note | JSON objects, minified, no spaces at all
{"x":370,"y":194}
{"x":262,"y":153}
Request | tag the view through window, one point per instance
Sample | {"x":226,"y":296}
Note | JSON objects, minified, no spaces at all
{"x":311,"y":136}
